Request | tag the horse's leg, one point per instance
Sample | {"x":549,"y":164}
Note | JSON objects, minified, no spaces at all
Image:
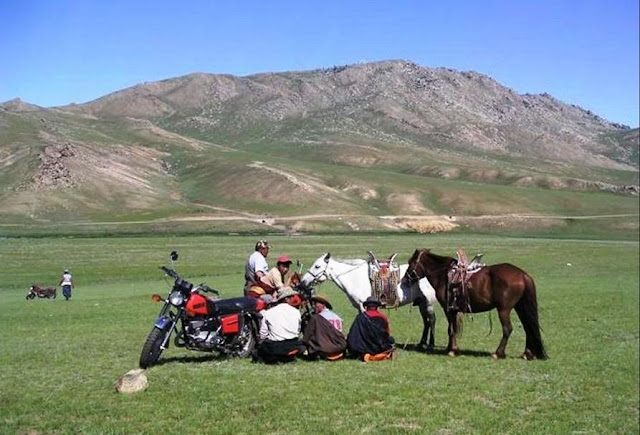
{"x":452,"y":317}
{"x":505,"y":319}
{"x":429,"y":321}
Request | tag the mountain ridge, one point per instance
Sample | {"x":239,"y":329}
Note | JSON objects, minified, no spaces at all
{"x":377,"y":138}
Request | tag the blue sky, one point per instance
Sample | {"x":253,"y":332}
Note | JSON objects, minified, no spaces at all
{"x":583,"y":52}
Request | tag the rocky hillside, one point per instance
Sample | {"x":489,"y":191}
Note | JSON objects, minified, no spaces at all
{"x":368,"y":140}
{"x":388,"y":102}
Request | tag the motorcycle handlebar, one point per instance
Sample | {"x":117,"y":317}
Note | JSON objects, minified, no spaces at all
{"x":169,"y":272}
{"x":206,"y":288}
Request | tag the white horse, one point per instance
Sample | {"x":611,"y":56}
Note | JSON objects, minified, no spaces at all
{"x":352,"y":277}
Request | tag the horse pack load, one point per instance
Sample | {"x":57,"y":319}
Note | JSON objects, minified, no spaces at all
{"x":385,"y":278}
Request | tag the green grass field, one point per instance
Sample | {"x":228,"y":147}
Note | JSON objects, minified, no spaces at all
{"x":59,"y":360}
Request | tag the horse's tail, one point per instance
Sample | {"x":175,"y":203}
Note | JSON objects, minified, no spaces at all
{"x":527,"y":309}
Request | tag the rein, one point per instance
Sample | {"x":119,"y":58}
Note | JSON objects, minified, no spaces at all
{"x":324,"y":272}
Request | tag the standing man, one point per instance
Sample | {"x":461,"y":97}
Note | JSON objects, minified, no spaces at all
{"x":256,"y":266}
{"x":67,"y":284}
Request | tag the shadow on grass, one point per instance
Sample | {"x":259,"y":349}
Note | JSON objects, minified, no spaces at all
{"x":411,"y":347}
{"x":191,"y":359}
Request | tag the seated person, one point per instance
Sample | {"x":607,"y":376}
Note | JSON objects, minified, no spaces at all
{"x":323,"y":333}
{"x":267,"y":286}
{"x":280,"y":330}
{"x":369,"y":338}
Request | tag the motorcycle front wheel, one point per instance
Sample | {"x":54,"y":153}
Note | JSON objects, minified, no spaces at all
{"x":152,"y":348}
{"x":30,"y":296}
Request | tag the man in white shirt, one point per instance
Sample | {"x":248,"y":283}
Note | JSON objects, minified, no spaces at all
{"x":256,"y":266}
{"x":67,"y":284}
{"x":280,"y":330}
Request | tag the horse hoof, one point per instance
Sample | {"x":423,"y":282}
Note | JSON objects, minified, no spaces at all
{"x":452,"y":354}
{"x":495,"y":356}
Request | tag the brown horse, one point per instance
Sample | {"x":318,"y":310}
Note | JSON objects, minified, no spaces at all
{"x":500,"y":286}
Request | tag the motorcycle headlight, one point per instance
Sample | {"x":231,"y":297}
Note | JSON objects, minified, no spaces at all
{"x":176,"y":298}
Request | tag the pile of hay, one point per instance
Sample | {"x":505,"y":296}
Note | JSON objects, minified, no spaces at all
{"x":430,"y":226}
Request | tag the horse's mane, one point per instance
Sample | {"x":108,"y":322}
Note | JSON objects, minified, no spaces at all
{"x":433,"y":257}
{"x":351,"y":261}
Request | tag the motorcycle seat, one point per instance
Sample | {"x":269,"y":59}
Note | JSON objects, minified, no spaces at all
{"x":236,"y":305}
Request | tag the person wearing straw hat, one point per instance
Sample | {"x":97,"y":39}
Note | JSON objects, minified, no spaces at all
{"x":256,"y":266}
{"x":323,"y":332}
{"x":323,"y":307}
{"x":370,"y":337}
{"x":280,"y":330}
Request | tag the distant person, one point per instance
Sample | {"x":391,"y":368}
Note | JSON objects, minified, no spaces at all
{"x":370,"y":337}
{"x":267,"y":287}
{"x":323,"y":333}
{"x":280,"y":330}
{"x":67,"y":284}
{"x":256,"y":266}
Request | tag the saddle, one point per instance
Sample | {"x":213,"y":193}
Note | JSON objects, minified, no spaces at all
{"x":459,"y":276}
{"x":385,"y":277}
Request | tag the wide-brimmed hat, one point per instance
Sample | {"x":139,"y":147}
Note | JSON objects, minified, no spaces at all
{"x":285,"y":292}
{"x":371,"y":301}
{"x":284,"y":259}
{"x":65,"y":271}
{"x":323,"y":299}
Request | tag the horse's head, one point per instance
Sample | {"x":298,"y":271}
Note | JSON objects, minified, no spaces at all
{"x":317,"y":272}
{"x":425,"y":264}
{"x":414,"y":271}
{"x":294,"y":279}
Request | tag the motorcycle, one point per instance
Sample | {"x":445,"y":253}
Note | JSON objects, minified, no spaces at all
{"x":36,"y":290}
{"x":227,"y":326}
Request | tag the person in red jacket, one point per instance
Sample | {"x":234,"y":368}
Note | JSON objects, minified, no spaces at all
{"x":370,"y":337}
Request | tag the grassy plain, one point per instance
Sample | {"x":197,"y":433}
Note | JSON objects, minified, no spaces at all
{"x":59,"y":360}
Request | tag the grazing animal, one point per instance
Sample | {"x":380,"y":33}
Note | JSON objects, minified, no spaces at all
{"x":500,"y":286}
{"x":352,"y":277}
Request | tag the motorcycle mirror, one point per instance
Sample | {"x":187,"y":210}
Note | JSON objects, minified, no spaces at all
{"x":174,"y":255}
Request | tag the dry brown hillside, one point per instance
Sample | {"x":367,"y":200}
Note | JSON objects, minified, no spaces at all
{"x":385,"y":145}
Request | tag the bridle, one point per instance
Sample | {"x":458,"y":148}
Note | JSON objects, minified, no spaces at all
{"x":413,"y":274}
{"x":319,"y":274}
{"x":324,"y":272}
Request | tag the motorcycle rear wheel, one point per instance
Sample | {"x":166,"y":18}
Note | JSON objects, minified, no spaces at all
{"x":151,"y":350}
{"x":249,"y":345}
